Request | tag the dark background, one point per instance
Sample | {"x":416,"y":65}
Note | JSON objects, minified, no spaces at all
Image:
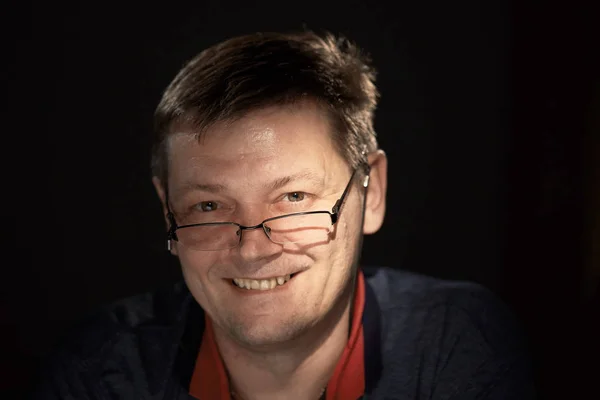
{"x":489,"y":116}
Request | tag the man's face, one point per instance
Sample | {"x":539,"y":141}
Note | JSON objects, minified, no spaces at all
{"x":272,"y":162}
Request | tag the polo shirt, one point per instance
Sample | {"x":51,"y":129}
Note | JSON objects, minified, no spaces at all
{"x":422,"y":338}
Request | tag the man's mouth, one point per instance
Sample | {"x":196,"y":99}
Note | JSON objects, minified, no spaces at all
{"x":262,"y":284}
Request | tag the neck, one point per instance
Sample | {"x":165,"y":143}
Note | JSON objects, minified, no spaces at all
{"x":298,"y":370}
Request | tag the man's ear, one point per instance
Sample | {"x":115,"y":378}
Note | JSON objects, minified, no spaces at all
{"x":376,"y":192}
{"x":160,"y":191}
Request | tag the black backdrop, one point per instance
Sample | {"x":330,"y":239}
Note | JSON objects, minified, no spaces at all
{"x":483,"y":112}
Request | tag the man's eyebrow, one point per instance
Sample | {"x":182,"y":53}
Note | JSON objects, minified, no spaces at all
{"x":299,"y":176}
{"x":205,"y":187}
{"x":275,"y":185}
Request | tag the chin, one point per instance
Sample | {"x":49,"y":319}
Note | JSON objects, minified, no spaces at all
{"x":266,"y":333}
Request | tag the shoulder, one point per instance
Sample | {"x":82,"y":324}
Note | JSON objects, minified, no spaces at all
{"x":458,"y":335}
{"x":408,"y":299}
{"x":398,"y":290}
{"x":107,"y":324}
{"x":134,"y":331}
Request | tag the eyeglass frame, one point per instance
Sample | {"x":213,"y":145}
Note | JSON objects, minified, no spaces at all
{"x":334,"y":214}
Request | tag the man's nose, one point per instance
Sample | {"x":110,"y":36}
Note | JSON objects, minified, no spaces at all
{"x":255,"y":245}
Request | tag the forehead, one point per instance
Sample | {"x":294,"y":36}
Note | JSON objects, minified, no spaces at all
{"x":262,"y":143}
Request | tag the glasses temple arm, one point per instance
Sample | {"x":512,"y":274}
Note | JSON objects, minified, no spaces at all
{"x":338,"y":204}
{"x":171,"y":235}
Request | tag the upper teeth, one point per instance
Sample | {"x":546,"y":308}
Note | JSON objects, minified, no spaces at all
{"x":263,"y":284}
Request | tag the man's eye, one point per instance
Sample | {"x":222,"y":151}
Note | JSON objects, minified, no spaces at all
{"x":207,"y":206}
{"x":295,"y":196}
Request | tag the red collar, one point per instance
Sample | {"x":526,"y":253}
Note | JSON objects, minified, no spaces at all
{"x":209,"y":379}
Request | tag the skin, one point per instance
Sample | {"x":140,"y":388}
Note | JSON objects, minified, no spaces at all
{"x":284,"y":343}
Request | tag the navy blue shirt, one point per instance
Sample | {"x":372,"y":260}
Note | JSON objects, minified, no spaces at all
{"x":425,"y":338}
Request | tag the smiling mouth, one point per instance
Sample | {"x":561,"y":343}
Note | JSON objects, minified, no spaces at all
{"x":262,"y":284}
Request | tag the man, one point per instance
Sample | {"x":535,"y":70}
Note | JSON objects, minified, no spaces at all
{"x":268,"y":170}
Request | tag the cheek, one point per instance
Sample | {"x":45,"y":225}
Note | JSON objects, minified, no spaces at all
{"x":198,"y":264}
{"x":200,"y":272}
{"x":349,"y":229}
{"x":345,"y":252}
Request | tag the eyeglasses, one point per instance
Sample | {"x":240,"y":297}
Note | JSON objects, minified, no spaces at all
{"x":305,"y":228}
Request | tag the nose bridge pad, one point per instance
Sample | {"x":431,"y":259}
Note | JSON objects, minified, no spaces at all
{"x":264,"y":227}
{"x":267,"y":230}
{"x":238,"y":233}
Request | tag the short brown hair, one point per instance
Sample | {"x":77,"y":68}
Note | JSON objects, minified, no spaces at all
{"x":246,"y":73}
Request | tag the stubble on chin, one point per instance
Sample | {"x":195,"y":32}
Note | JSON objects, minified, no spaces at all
{"x":268,"y":335}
